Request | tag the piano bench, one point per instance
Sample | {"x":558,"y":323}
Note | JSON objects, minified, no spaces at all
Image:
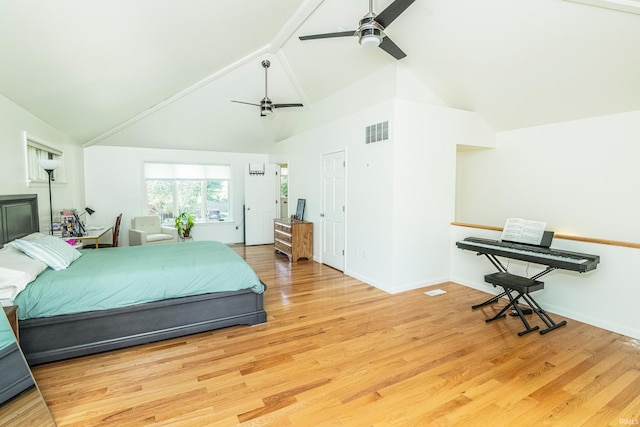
{"x":520,"y":284}
{"x":523,"y":286}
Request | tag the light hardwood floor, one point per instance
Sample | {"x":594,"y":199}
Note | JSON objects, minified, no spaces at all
{"x":337,"y":352}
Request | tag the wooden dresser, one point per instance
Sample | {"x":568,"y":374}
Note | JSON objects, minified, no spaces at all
{"x":293,"y":238}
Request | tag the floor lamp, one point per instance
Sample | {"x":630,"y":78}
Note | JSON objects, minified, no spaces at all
{"x":50,"y":165}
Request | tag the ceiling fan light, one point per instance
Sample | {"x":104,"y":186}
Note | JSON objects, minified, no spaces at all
{"x":266,"y":106}
{"x":370,"y":37}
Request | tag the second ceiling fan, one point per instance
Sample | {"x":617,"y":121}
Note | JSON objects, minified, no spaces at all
{"x":371,"y":28}
{"x":266,"y":106}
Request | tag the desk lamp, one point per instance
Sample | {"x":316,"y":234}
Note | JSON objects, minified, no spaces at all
{"x":81,"y":227}
{"x":88,"y":211}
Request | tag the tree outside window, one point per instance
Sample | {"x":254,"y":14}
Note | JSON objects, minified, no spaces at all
{"x":206,"y":199}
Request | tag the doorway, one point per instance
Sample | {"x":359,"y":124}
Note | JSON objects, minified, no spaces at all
{"x":284,"y":191}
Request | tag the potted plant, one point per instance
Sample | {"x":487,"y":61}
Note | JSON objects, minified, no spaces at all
{"x":184,"y":223}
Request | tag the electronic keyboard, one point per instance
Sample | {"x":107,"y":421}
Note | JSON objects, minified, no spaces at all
{"x":553,"y":258}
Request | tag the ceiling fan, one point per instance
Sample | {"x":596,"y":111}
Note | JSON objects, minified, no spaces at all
{"x":266,"y":106}
{"x":371,"y":27}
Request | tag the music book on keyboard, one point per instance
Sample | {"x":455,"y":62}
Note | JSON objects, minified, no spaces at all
{"x":518,"y":230}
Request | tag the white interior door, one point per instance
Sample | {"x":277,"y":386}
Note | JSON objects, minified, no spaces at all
{"x":260,"y":203}
{"x":333,"y":209}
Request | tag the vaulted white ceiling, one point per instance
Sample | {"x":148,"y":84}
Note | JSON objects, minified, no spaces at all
{"x":162,"y":73}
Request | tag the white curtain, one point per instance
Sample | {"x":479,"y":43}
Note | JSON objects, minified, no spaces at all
{"x":182,"y":171}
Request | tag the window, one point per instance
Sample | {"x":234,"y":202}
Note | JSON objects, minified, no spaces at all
{"x":203,"y":190}
{"x":37,"y":150}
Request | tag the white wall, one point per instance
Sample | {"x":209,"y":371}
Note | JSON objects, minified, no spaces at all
{"x":423,"y":172}
{"x":114,"y":180}
{"x":400,"y":193}
{"x":369,"y":185}
{"x":14,"y":121}
{"x":581,"y":178}
{"x":369,"y":197}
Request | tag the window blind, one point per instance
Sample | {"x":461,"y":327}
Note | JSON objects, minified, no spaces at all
{"x":186,"y":171}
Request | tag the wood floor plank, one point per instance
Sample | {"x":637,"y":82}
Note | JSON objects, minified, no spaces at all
{"x":338,"y":352}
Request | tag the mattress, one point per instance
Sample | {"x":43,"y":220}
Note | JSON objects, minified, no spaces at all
{"x":119,"y":277}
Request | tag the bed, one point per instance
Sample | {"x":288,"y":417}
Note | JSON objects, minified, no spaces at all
{"x":174,"y":301}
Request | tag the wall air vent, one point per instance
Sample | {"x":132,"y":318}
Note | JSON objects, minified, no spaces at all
{"x":376,"y":133}
{"x":631,"y":6}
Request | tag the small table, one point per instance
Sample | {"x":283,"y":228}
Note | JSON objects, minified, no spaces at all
{"x":94,"y":234}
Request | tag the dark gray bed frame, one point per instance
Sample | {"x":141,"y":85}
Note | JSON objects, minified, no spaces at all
{"x":61,"y":337}
{"x":16,"y":376}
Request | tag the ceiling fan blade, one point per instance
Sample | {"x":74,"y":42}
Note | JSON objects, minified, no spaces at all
{"x":286,"y":105}
{"x":248,"y":103}
{"x":329,"y":35}
{"x":394,"y":10}
{"x":391,"y":48}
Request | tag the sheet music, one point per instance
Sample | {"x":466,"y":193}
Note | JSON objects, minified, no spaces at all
{"x":523,"y":231}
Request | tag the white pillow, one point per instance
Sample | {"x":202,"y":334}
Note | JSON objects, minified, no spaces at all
{"x":12,"y":282}
{"x":11,"y":257}
{"x":33,"y":236}
{"x":54,"y":252}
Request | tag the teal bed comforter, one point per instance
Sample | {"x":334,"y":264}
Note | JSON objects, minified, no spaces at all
{"x":6,"y":334}
{"x":117,"y":277}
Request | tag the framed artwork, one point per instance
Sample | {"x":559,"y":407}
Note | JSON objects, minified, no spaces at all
{"x":300,"y":209}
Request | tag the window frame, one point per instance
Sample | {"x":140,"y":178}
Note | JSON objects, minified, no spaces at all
{"x":175,"y":183}
{"x":34,"y":173}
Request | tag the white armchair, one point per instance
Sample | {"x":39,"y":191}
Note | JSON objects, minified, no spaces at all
{"x":147,"y":230}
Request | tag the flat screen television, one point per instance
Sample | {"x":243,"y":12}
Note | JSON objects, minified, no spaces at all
{"x":300,"y":209}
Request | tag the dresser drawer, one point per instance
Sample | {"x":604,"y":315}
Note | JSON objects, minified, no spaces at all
{"x":282,"y":247}
{"x":283,"y":236}
{"x":282,"y":227}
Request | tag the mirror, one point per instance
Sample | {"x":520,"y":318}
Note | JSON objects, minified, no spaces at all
{"x":20,"y":400}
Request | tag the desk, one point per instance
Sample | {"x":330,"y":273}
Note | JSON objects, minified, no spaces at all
{"x":94,"y":234}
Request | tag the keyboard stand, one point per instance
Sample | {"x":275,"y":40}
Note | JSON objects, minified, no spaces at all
{"x":523,"y":286}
